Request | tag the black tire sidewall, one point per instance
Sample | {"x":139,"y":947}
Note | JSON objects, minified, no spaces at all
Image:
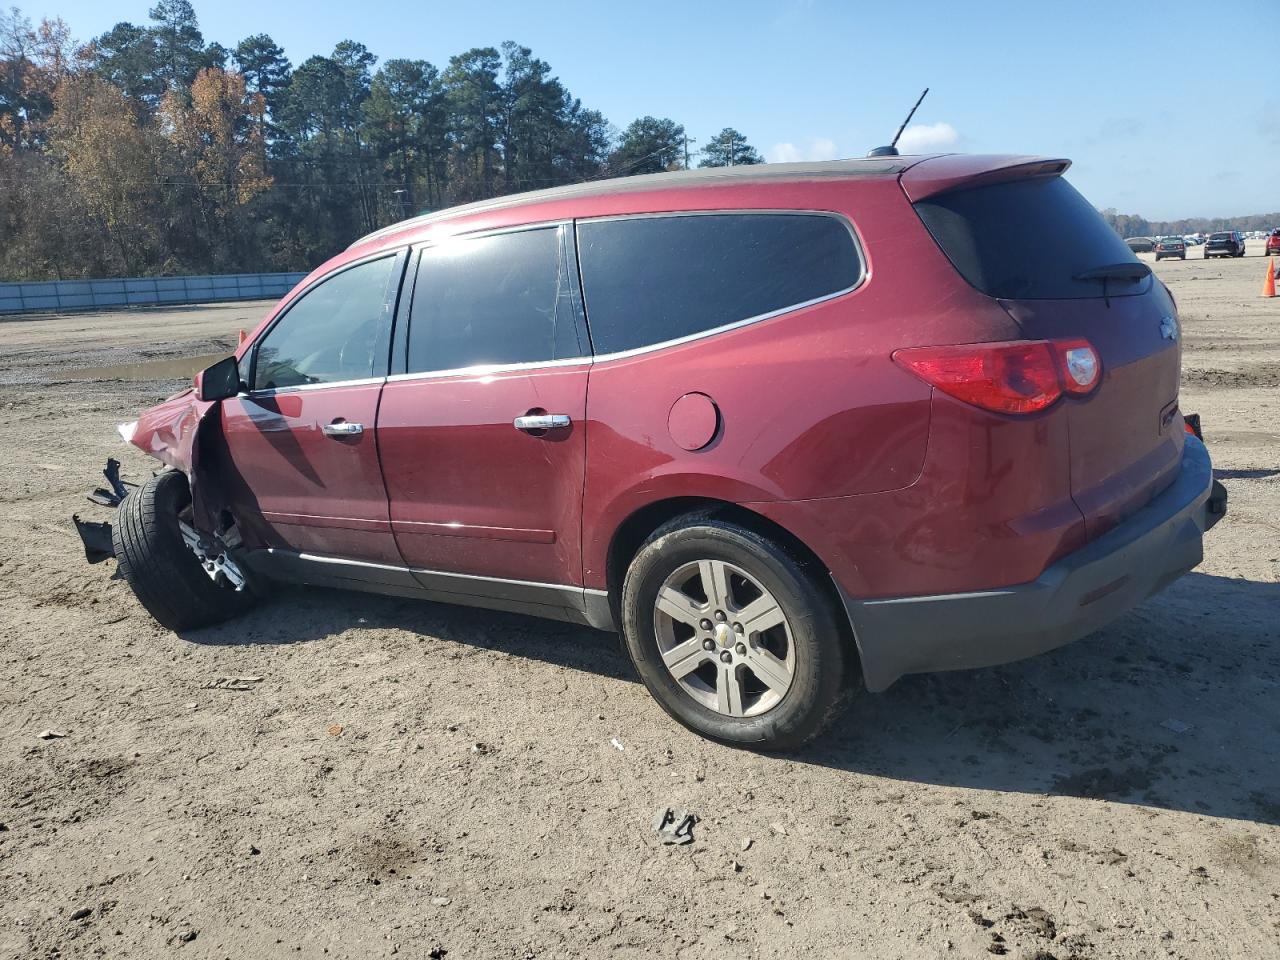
{"x":818,"y":684}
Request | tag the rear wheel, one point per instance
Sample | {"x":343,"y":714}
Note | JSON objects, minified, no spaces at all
{"x":732,"y":635}
{"x":165,"y":575}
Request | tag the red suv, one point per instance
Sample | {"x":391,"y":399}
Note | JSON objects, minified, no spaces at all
{"x":1273,"y":242}
{"x":779,"y":425}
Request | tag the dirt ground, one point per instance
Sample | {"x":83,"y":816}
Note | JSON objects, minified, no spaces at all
{"x":420,"y":780}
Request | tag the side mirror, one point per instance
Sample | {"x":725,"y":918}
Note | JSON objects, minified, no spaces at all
{"x":220,"y":381}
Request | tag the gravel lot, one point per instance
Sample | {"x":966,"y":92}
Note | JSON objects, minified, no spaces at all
{"x":419,"y":780}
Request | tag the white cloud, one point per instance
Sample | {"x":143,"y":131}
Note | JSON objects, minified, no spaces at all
{"x":816,"y":148}
{"x":927,"y":137}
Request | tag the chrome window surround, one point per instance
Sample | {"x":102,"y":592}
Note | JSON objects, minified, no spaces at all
{"x":481,"y":370}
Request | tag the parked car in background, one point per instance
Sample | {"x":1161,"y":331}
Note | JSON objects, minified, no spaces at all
{"x":1193,"y":239}
{"x":771,"y":469}
{"x":1225,"y":243}
{"x":1273,"y":242}
{"x":1171,"y":247}
{"x":1141,"y":244}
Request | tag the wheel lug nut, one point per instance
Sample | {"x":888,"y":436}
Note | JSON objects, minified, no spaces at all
{"x":741,"y":648}
{"x":720,"y":616}
{"x":725,"y":656}
{"x":737,"y":628}
{"x":708,"y":644}
{"x":706,"y":624}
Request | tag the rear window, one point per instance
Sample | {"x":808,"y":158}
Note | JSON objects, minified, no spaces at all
{"x":648,"y":280}
{"x":1028,"y":240}
{"x":1219,"y":236}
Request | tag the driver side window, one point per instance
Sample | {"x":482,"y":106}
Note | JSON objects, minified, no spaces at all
{"x":335,"y":331}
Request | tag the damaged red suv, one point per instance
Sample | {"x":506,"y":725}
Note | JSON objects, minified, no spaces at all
{"x":779,"y":425}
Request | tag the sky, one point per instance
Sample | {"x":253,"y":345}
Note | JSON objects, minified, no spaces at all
{"x":1164,"y":107}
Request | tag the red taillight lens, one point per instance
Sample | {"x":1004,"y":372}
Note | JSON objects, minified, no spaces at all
{"x":1020,"y":376}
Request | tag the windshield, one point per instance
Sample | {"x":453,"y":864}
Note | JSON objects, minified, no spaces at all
{"x":1033,"y":239}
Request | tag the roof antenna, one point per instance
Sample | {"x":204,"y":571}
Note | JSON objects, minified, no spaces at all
{"x":892,"y":149}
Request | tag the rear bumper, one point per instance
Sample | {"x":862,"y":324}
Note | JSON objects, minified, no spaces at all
{"x":1072,"y":598}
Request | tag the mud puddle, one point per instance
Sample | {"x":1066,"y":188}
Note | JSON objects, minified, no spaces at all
{"x":169,"y":368}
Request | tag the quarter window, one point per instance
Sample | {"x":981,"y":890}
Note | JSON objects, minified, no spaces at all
{"x":648,"y":280}
{"x":498,"y":299}
{"x":335,"y":331}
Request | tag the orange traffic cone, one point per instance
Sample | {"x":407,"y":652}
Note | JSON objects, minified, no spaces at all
{"x":1269,"y":285}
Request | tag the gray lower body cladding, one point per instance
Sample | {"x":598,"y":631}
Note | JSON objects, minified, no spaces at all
{"x":1079,"y":594}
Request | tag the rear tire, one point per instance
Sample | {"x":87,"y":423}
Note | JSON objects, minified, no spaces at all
{"x":782,"y":700}
{"x":165,"y":575}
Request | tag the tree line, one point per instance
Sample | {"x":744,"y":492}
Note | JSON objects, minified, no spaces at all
{"x":147,"y":151}
{"x":1132,"y":225}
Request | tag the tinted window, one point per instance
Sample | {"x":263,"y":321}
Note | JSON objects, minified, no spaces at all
{"x":652,"y":279}
{"x":492,"y":300}
{"x":335,"y":331}
{"x":1027,"y":239}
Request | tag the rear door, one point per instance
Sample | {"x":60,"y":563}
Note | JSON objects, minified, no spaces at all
{"x":301,"y":441}
{"x":478,"y":484}
{"x":1036,"y":245}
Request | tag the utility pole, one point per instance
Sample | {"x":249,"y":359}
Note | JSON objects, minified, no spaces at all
{"x":687,"y":141}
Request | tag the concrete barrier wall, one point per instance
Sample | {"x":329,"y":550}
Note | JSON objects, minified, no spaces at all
{"x":92,"y":294}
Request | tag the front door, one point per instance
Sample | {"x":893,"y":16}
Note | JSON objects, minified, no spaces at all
{"x":479,"y":485}
{"x":302,"y":439}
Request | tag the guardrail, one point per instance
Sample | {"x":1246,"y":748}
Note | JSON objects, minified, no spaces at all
{"x":91,"y":294}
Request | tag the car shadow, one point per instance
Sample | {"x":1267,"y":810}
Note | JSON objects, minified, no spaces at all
{"x":1172,"y":706}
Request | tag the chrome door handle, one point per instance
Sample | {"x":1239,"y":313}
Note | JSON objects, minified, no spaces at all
{"x":546,"y":421}
{"x":343,"y":429}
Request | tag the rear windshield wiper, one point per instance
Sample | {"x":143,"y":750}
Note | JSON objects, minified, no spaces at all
{"x":1133,"y":270}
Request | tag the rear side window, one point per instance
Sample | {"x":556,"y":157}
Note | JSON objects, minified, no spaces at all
{"x":493,"y":300}
{"x":648,"y":280}
{"x":1028,"y":240}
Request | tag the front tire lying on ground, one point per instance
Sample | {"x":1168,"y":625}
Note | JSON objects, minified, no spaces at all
{"x":166,"y":577}
{"x":733,"y":635}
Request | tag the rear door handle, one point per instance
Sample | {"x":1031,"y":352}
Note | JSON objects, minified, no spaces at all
{"x":546,"y":421}
{"x":342,"y":428}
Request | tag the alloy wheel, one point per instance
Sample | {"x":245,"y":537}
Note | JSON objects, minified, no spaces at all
{"x":724,"y":638}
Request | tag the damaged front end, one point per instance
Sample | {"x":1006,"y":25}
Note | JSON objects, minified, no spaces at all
{"x":179,"y":432}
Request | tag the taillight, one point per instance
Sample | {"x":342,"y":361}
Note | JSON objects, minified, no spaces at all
{"x":1018,"y":377}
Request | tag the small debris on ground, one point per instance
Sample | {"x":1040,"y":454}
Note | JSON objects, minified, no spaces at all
{"x":675,"y":827}
{"x":50,"y":734}
{"x":778,"y":828}
{"x":746,"y":844}
{"x":334,"y":730}
{"x":1177,"y":726}
{"x":616,"y":743}
{"x":439,"y":901}
{"x":232,"y":683}
{"x":480,"y":747}
{"x":81,"y":913}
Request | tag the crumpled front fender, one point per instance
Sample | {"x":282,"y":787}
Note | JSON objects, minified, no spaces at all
{"x":174,"y":432}
{"x":168,"y":430}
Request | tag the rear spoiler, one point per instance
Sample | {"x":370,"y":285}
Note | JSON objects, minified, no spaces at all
{"x":956,"y":171}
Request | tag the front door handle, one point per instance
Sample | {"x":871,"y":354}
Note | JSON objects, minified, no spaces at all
{"x":545,"y":421}
{"x":341,"y":428}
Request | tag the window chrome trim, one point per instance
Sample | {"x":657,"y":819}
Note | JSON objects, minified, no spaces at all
{"x":485,"y":369}
{"x":275,"y":391}
{"x":864,"y":271}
